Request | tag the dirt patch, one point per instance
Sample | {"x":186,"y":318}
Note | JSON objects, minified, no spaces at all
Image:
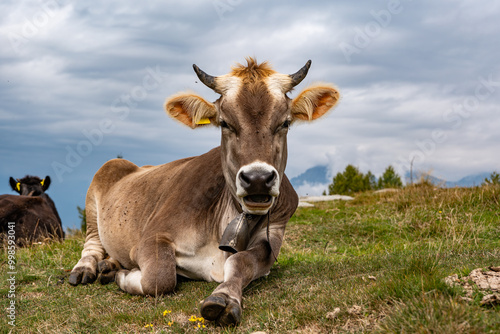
{"x":484,"y":280}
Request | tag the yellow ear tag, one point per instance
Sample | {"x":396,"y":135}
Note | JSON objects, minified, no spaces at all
{"x":18,"y":186}
{"x":41,"y":182}
{"x":203,"y":121}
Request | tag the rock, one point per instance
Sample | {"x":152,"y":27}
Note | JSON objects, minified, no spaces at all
{"x":491,"y":299}
{"x":484,"y":280}
{"x":386,"y":190}
{"x":477,"y":277}
{"x":326,"y":198}
{"x":452,"y":280}
{"x":489,"y":280}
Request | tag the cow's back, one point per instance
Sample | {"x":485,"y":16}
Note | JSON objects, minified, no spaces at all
{"x":33,"y":218}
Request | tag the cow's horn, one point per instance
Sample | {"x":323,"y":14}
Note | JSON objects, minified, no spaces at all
{"x":300,"y":74}
{"x":207,"y":79}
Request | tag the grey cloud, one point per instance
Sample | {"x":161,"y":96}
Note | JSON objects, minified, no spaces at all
{"x":73,"y":70}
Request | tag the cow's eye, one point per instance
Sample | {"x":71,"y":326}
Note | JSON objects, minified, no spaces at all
{"x":283,"y":126}
{"x":224,"y":125}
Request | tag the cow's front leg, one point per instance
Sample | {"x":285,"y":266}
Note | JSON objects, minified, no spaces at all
{"x":85,"y":271}
{"x":224,"y":304}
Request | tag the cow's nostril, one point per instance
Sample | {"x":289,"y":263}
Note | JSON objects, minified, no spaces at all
{"x":270,"y":179}
{"x":245,"y":180}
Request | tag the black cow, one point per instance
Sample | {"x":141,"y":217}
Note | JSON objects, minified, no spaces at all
{"x":32,"y":215}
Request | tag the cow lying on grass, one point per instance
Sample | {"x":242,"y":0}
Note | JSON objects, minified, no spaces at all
{"x":218,"y":217}
{"x":32,"y":215}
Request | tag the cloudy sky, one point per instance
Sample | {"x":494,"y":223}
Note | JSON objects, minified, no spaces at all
{"x":83,"y":82}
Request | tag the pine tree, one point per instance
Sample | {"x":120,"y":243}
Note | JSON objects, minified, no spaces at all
{"x":349,"y":182}
{"x":390,"y":179}
{"x":370,"y":181}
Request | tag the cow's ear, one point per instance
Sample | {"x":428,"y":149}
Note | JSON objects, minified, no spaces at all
{"x":191,"y":109}
{"x":313,"y":102}
{"x":16,"y":186}
{"x":45,"y":183}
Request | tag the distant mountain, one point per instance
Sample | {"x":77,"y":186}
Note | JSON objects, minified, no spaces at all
{"x":319,"y":175}
{"x":471,"y":180}
{"x":467,"y":181}
{"x":313,"y":176}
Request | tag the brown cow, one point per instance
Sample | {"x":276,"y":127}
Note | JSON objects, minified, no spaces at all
{"x":158,"y":221}
{"x":32,"y":215}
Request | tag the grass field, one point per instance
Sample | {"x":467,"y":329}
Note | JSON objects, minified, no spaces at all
{"x":374,"y":264}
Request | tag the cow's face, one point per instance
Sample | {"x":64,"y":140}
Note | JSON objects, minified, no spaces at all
{"x":30,"y":185}
{"x":254,"y":114}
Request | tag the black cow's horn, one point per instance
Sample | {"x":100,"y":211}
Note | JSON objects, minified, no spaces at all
{"x":207,"y":79}
{"x":300,"y":74}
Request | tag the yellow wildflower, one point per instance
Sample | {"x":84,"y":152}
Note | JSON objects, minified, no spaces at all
{"x":166,"y":312}
{"x":148,"y":325}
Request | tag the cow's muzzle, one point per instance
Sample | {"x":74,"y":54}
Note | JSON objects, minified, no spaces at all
{"x":257,"y":186}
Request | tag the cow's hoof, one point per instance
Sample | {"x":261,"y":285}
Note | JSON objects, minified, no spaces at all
{"x":221,"y":309}
{"x":107,"y":271}
{"x":105,"y":278}
{"x":81,"y":276}
{"x":107,"y":265}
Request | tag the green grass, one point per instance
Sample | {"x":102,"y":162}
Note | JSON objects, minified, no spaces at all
{"x":381,"y":259}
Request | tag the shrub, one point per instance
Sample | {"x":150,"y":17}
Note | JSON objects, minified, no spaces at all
{"x":390,"y":179}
